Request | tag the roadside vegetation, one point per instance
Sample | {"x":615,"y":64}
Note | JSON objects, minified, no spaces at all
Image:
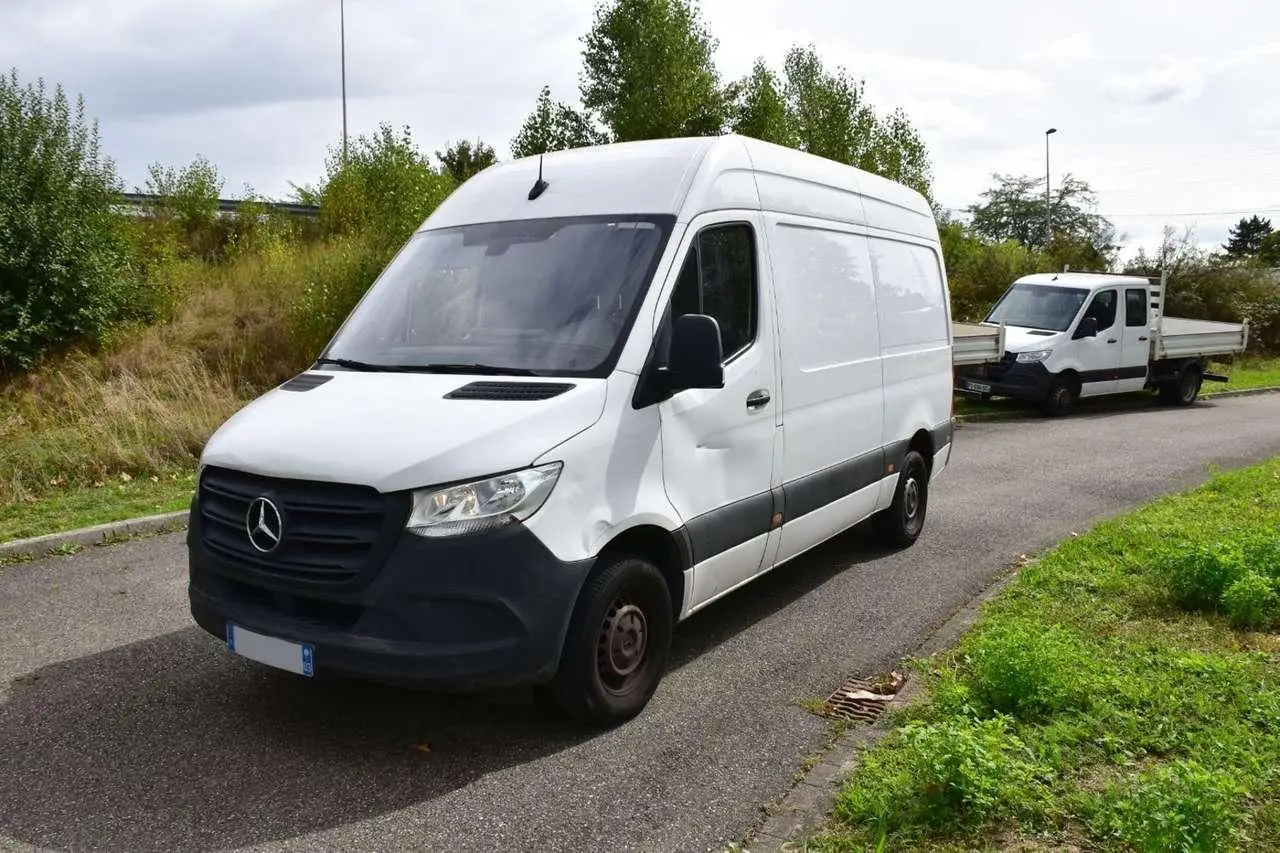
{"x":1122,"y":693}
{"x":128,"y":335}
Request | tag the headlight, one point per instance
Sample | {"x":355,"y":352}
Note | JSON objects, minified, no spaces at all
{"x":1034,"y":357}
{"x":482,"y":505}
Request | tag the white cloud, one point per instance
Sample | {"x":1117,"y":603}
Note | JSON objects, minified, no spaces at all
{"x":1168,"y":82}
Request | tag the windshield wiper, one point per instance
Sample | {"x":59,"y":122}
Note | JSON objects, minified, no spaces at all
{"x":355,"y":365}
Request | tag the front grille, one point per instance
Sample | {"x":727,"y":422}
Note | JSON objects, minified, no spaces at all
{"x":997,"y":370}
{"x":329,"y":533}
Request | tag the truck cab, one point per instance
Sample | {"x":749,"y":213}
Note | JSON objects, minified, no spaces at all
{"x":1075,"y":335}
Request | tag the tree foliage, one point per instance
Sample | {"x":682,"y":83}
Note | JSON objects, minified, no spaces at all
{"x":554,"y":126}
{"x":1014,"y":209}
{"x":1245,"y":239}
{"x":757,"y":107}
{"x":64,"y":274}
{"x":649,"y":71}
{"x":462,"y":160}
{"x":1269,"y":250}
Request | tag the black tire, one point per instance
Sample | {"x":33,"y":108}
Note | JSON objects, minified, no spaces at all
{"x":617,"y":645}
{"x":1184,"y":390}
{"x":1063,"y":396}
{"x":901,"y":524}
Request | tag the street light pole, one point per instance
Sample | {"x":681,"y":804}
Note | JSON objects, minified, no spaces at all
{"x":342,"y":36}
{"x":1048,"y":204}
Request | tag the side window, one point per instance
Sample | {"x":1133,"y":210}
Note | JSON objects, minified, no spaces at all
{"x":1135,"y":307}
{"x":1103,"y":307}
{"x":719,"y":279}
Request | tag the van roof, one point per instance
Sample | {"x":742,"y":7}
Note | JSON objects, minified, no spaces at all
{"x":1084,"y":280}
{"x":684,"y":177}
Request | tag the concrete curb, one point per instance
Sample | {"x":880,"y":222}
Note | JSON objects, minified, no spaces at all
{"x":100,"y":534}
{"x":803,"y":810}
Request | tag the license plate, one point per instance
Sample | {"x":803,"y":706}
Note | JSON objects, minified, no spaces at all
{"x":298,"y":658}
{"x":980,"y":387}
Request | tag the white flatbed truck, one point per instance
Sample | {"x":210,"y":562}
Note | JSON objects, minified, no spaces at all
{"x":1072,"y":334}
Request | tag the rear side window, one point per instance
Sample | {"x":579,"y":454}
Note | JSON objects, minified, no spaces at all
{"x":1135,"y":307}
{"x":719,"y":279}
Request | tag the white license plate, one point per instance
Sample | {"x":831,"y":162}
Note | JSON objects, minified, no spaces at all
{"x":298,"y":658}
{"x":980,"y":387}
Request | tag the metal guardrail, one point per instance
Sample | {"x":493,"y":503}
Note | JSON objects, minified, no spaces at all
{"x":230,"y":205}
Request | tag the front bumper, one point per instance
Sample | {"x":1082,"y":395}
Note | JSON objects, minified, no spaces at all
{"x":465,"y":613}
{"x":1006,"y":378}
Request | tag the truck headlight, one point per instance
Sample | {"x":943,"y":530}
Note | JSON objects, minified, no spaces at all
{"x":482,"y":505}
{"x":1034,"y":357}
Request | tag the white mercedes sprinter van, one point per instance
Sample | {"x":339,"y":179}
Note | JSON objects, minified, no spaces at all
{"x":591,"y":395}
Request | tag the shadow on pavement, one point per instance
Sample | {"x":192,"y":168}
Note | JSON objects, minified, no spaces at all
{"x":172,"y":744}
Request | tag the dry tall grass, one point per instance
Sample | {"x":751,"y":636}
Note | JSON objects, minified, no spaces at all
{"x":147,"y":404}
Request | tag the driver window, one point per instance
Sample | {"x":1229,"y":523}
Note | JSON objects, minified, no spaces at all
{"x":1103,"y":309}
{"x":719,"y":279}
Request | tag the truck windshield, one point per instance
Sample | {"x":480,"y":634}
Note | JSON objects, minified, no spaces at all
{"x":544,"y":297}
{"x":1038,"y":306}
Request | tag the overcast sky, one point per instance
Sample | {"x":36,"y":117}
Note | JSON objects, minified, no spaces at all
{"x":1169,"y":108}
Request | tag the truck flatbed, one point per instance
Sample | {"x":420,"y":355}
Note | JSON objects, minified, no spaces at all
{"x":976,"y":343}
{"x":1179,"y":337}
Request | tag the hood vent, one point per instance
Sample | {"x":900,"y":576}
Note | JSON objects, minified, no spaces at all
{"x":305,"y":382}
{"x":520,"y":391}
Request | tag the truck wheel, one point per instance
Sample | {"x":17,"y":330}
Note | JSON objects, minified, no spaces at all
{"x":1184,"y":390}
{"x":901,"y":524}
{"x":617,"y":645}
{"x":1063,"y":396}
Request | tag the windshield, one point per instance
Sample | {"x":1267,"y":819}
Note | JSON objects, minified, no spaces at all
{"x":1038,"y":306}
{"x":545,"y":296}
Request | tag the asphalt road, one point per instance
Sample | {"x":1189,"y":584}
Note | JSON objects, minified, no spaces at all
{"x":123,"y":727}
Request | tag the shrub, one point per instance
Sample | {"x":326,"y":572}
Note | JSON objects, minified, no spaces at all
{"x":1024,"y":670}
{"x":333,"y":283}
{"x":1251,"y":601}
{"x":64,"y":273}
{"x":1177,"y":807}
{"x":1198,"y":576}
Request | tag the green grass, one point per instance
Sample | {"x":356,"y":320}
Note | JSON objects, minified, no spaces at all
{"x":1123,"y":693}
{"x":1247,"y":373}
{"x":73,"y":508}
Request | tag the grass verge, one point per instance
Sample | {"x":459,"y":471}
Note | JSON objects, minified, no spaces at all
{"x":74,"y":508}
{"x":1123,"y":693}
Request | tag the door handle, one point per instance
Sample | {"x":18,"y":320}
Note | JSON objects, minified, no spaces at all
{"x":757,"y":400}
{"x":1111,"y":340}
{"x":1143,"y":338}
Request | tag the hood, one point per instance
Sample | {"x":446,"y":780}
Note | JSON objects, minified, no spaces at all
{"x":1018,"y":339}
{"x":395,"y":431}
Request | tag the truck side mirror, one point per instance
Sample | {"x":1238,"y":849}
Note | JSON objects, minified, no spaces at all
{"x":696,"y":355}
{"x":1088,"y":328}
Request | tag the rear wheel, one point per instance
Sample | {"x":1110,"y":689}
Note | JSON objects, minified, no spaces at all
{"x":901,"y":524}
{"x":617,"y":645}
{"x":1184,"y":390}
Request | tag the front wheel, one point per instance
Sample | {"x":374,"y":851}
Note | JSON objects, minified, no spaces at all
{"x":1063,"y":396}
{"x":617,"y":645}
{"x":901,"y":524}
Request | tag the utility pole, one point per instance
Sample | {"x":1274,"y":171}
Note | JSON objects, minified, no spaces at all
{"x":1048,"y":203}
{"x":342,"y":36}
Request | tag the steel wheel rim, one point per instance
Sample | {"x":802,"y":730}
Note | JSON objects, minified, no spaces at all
{"x":911,"y":498}
{"x":621,"y":645}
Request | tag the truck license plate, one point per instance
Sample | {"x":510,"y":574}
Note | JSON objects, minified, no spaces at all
{"x":298,"y":658}
{"x":979,"y":387}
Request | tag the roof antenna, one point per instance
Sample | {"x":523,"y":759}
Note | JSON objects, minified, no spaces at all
{"x":539,"y":186}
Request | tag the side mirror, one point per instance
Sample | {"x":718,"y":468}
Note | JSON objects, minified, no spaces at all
{"x":1088,"y":328}
{"x":696,"y":355}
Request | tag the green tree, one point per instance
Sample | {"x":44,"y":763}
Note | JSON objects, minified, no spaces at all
{"x":64,"y":274}
{"x":1269,"y":250}
{"x":462,"y":160}
{"x":648,"y":71}
{"x":1245,"y":239}
{"x":829,"y":115}
{"x":758,"y":106}
{"x":1014,"y":209}
{"x":554,"y":126}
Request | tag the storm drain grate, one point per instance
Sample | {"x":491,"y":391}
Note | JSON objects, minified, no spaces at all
{"x":863,"y":699}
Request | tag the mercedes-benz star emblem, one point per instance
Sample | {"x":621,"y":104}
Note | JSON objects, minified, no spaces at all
{"x":264,"y":525}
